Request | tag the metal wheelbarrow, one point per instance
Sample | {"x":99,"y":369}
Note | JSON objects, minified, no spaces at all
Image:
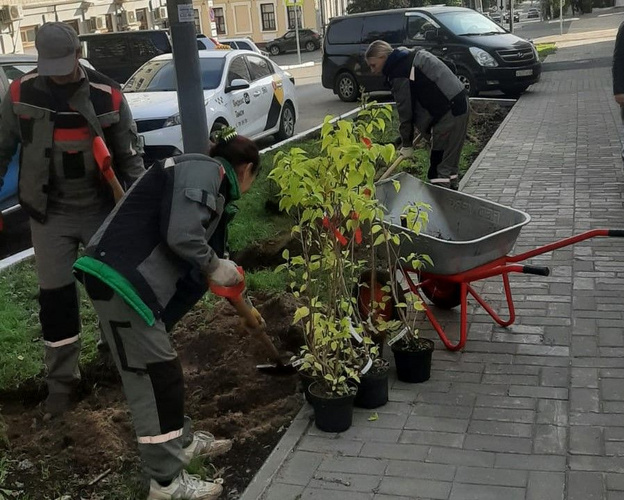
{"x":468,"y":238}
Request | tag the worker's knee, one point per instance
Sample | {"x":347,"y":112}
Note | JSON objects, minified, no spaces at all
{"x":59,"y":313}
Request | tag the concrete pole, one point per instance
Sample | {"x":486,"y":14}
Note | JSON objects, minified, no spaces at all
{"x":511,"y":14}
{"x":188,"y":76}
{"x":561,"y":17}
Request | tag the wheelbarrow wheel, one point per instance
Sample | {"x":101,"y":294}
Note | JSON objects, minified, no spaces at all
{"x":443,"y":294}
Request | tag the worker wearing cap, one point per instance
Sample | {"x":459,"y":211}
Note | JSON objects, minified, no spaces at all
{"x":54,"y":113}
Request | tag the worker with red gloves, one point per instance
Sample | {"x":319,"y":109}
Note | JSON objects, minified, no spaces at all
{"x":54,"y":113}
{"x":148,"y":264}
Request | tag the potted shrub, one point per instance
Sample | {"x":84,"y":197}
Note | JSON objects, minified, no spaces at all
{"x":330,"y":199}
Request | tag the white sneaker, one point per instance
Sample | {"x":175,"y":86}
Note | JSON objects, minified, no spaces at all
{"x":185,"y":487}
{"x":205,"y":445}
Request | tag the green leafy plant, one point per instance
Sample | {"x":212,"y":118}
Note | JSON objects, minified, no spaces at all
{"x":339,"y":225}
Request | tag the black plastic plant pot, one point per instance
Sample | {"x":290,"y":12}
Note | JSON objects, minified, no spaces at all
{"x":372,"y":390}
{"x":331,"y":413}
{"x":306,"y":381}
{"x":413,"y":366}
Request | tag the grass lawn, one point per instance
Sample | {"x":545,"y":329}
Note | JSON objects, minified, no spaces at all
{"x":545,"y":49}
{"x":21,"y":347}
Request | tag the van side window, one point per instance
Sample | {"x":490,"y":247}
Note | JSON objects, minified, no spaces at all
{"x":106,"y":50}
{"x":417,"y":26}
{"x":387,"y":27}
{"x":146,"y":47}
{"x":345,"y":31}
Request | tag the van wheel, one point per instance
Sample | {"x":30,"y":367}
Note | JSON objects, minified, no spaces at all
{"x":274,"y":50}
{"x":310,"y":46}
{"x":468,"y":81}
{"x":347,"y":87}
{"x":287,"y":123}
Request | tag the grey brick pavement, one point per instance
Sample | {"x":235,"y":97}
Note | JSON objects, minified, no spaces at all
{"x":534,"y":411}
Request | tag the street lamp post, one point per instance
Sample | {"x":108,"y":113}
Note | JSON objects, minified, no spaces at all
{"x":188,"y":76}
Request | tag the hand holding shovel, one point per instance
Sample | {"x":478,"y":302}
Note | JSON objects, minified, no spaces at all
{"x":254,"y":324}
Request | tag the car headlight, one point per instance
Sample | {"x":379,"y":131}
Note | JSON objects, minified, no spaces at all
{"x":173,"y":120}
{"x":483,"y":58}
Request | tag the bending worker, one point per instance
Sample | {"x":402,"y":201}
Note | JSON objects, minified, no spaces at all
{"x":429,"y":97}
{"x":139,"y":270}
{"x":54,"y":113}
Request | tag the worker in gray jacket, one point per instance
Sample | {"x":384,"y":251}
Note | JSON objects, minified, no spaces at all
{"x":54,"y":113}
{"x":429,"y":97}
{"x":137,"y":271}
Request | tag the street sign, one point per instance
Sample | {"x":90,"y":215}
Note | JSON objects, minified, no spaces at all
{"x":212,"y":16}
{"x":293,"y":3}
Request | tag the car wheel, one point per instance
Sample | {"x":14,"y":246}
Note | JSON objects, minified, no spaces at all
{"x":468,"y":81}
{"x":287,"y":123}
{"x":218,"y":125}
{"x":274,"y":50}
{"x":310,"y":46}
{"x":347,"y":87}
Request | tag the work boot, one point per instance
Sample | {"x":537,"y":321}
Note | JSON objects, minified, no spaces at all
{"x":56,"y":404}
{"x":205,"y":445}
{"x":186,"y":486}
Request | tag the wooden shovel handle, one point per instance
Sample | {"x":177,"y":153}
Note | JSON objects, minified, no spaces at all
{"x":254,"y":327}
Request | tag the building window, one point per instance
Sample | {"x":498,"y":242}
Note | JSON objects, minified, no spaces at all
{"x":197,"y":21}
{"x":141,"y":17}
{"x":291,"y":17}
{"x":28,"y":34}
{"x":268,"y":16}
{"x":74,"y":24}
{"x":109,"y":22}
{"x":219,"y":18}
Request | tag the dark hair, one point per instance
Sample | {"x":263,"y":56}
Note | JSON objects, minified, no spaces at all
{"x":238,"y":150}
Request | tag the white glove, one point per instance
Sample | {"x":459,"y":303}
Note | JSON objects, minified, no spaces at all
{"x":225,"y":274}
{"x":406,"y":152}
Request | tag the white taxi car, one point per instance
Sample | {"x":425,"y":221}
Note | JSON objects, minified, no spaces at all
{"x":241,"y":89}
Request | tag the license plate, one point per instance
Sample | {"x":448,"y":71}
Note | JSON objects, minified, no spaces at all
{"x":524,"y":72}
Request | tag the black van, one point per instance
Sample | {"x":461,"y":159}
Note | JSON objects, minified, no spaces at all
{"x":486,"y":55}
{"x":118,"y":55}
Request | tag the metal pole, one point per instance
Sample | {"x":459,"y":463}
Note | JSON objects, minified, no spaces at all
{"x":188,"y":76}
{"x":561,"y":17}
{"x":297,"y":31}
{"x":511,"y":19}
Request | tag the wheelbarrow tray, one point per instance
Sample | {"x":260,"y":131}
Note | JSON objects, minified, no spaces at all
{"x":463,"y":232}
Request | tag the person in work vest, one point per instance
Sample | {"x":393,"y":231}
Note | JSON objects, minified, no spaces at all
{"x":429,"y":97}
{"x":151,"y":260}
{"x":54,"y":113}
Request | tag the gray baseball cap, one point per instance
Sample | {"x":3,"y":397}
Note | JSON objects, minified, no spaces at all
{"x":56,"y":45}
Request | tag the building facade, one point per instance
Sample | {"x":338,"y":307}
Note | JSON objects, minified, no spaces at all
{"x":260,"y":20}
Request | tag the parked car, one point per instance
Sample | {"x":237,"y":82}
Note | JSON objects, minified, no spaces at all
{"x":11,"y":68}
{"x":243,"y":44}
{"x":244,"y":90}
{"x":118,"y":55}
{"x":533,"y":13}
{"x":516,"y":17}
{"x":486,"y":56}
{"x":209,"y":43}
{"x":309,"y":40}
{"x":496,"y":17}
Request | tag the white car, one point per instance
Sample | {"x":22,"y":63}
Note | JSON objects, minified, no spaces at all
{"x":243,"y":44}
{"x":243,"y":90}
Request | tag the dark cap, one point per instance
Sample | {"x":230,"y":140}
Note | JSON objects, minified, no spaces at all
{"x":56,"y":45}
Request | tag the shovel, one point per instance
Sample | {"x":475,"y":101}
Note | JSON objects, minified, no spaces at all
{"x":237,"y":296}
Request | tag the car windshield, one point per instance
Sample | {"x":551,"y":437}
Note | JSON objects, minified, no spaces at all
{"x":464,"y":23}
{"x":159,"y":75}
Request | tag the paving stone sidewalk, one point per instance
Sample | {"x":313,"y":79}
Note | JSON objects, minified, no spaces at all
{"x":534,"y":411}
